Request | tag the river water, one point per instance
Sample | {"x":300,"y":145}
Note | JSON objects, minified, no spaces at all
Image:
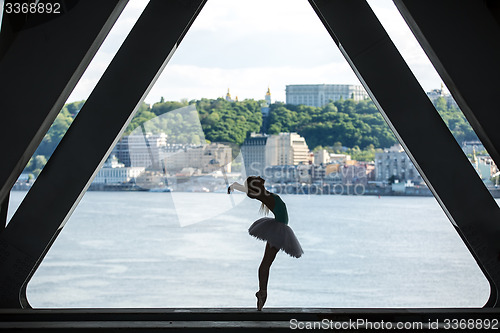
{"x":144,"y":249}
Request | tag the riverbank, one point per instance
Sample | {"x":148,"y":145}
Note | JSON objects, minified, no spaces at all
{"x":298,"y":189}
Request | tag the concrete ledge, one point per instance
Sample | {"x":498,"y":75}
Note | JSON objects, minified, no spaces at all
{"x":211,"y":319}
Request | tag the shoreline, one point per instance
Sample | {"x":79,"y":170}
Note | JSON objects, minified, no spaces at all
{"x":310,"y":189}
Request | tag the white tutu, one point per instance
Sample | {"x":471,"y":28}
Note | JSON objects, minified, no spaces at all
{"x":277,"y":234}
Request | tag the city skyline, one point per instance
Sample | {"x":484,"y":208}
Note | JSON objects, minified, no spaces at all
{"x":250,"y":46}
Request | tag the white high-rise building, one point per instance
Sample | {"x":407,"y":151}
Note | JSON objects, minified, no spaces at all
{"x":286,"y":149}
{"x":321,"y":94}
{"x":140,"y":150}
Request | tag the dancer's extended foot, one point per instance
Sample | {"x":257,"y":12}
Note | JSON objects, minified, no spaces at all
{"x":261,"y":299}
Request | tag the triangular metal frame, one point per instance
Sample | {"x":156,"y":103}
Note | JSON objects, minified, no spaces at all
{"x":367,"y":48}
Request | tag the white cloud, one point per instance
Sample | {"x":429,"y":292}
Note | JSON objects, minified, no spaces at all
{"x":239,"y":18}
{"x":249,"y":45}
{"x":193,"y":82}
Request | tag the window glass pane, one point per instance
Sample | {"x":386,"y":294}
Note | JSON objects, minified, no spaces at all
{"x":158,"y":229}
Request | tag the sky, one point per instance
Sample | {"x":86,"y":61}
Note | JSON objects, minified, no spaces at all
{"x":248,"y":46}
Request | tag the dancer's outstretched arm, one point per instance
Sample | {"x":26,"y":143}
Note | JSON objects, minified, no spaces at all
{"x":237,"y":186}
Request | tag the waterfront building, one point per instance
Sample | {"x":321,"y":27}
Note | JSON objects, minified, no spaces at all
{"x":484,"y":166}
{"x":322,"y":94}
{"x":321,"y":157}
{"x":253,"y":151}
{"x":345,"y":174}
{"x":332,"y":174}
{"x":113,"y":173}
{"x":138,"y":150}
{"x":471,"y":147}
{"x":318,"y":173}
{"x":205,"y":158}
{"x":304,"y":173}
{"x":370,"y":170}
{"x":261,"y":150}
{"x":340,"y":158}
{"x":286,"y":149}
{"x":482,"y":163}
{"x":394,"y":164}
{"x":356,"y":174}
{"x":281,"y":174}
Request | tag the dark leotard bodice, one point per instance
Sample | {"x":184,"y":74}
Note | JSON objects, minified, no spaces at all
{"x":279,"y":211}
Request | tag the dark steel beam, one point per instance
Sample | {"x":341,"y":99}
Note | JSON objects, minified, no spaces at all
{"x":419,"y":128}
{"x":462,"y":41}
{"x":37,"y":49}
{"x":4,"y":206}
{"x":94,"y":132}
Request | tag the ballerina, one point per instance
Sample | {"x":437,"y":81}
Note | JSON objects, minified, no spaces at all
{"x":275,"y":231}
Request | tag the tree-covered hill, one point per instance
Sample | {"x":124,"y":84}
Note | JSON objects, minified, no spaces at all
{"x":346,"y":121}
{"x":343,"y":122}
{"x":53,"y":136}
{"x":456,"y":121}
{"x":226,"y":121}
{"x":221,"y":120}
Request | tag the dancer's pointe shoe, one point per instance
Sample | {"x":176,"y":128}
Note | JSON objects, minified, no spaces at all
{"x":261,"y":299}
